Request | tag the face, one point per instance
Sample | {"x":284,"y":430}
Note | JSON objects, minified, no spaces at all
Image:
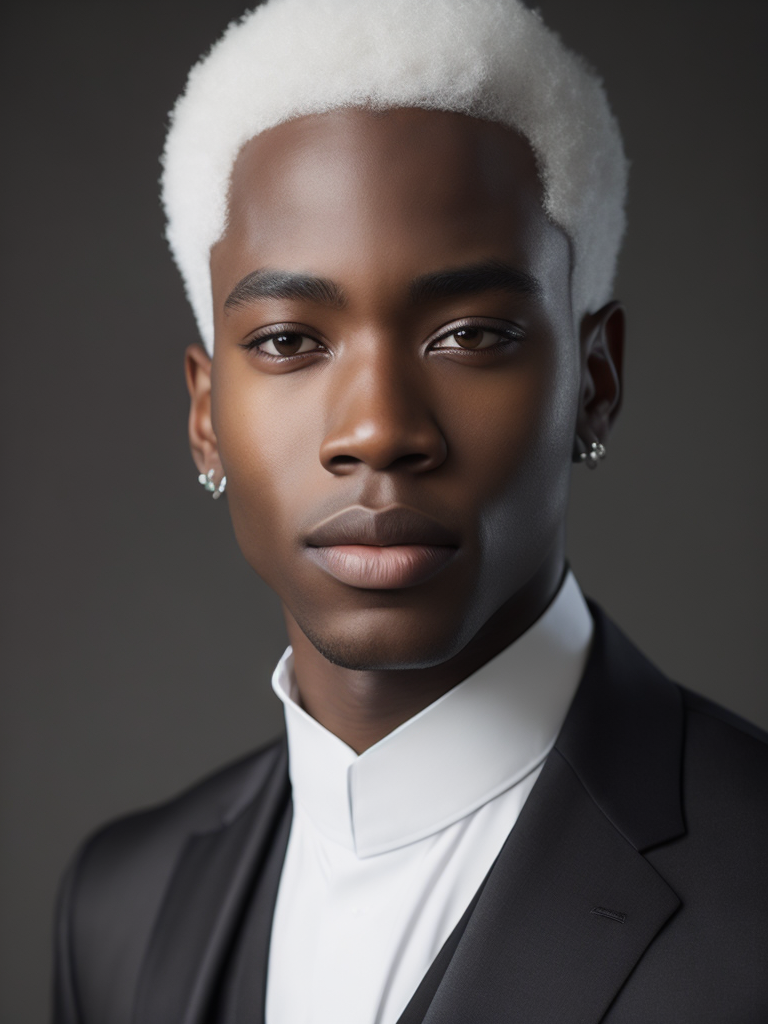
{"x":397,"y":378}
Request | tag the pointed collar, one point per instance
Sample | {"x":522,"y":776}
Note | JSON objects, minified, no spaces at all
{"x":473,"y":743}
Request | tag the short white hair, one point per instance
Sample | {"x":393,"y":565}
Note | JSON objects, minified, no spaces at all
{"x":492,"y":59}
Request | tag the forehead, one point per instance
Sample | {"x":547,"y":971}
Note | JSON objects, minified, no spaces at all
{"x":396,"y":192}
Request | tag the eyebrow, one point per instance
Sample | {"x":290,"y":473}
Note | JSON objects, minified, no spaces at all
{"x":487,"y":275}
{"x":282,"y":284}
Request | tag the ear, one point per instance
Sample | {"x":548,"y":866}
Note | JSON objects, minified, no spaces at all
{"x":602,"y":359}
{"x":202,"y":439}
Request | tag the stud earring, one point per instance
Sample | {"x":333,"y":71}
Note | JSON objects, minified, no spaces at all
{"x":593,"y":455}
{"x":206,"y":479}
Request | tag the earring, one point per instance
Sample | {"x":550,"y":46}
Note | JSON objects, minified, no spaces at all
{"x":593,"y":455}
{"x":206,"y":479}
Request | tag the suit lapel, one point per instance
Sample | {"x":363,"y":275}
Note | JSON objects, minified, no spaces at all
{"x":571,"y":904}
{"x":243,"y":993}
{"x":624,"y":739}
{"x":204,"y":905}
{"x":565,"y":915}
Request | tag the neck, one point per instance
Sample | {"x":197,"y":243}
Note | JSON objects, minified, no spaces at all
{"x":362,"y":707}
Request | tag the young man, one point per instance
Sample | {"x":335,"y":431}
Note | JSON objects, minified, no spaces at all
{"x":398,"y":228}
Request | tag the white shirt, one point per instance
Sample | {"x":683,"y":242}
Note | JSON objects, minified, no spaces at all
{"x":387,"y":848}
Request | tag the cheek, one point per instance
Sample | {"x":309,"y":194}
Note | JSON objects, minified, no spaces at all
{"x":513,"y":432}
{"x":270,"y":460}
{"x":517,"y":463}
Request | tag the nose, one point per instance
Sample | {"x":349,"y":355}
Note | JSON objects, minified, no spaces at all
{"x":380,"y":417}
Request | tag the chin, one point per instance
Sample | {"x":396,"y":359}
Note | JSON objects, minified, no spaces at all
{"x":384,"y":645}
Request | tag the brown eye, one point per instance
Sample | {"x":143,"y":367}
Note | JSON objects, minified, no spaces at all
{"x":474,"y":339}
{"x":469,"y":337}
{"x":287,"y":343}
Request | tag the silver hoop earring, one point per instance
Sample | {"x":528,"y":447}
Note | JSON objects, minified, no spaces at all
{"x":206,"y":479}
{"x":593,"y":455}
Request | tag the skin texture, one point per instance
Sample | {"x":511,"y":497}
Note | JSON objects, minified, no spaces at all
{"x":370,"y":400}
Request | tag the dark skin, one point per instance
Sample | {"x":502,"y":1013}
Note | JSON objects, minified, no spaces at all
{"x":438,"y":367}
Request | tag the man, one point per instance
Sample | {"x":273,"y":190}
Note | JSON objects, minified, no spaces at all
{"x":398,"y":228}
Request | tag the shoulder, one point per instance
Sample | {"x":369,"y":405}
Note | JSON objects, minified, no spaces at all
{"x":722,"y":721}
{"x":719,"y":862}
{"x":111,"y":895}
{"x":665,"y":760}
{"x":655,"y":709}
{"x":726,"y":758}
{"x":150,"y":838}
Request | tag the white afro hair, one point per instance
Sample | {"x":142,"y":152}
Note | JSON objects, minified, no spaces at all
{"x":493,"y":59}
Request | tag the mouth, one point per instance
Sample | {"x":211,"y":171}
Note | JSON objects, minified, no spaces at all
{"x":381,"y":549}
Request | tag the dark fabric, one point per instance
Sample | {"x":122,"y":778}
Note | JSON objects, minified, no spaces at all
{"x":533,"y":946}
{"x":243,"y":992}
{"x":423,"y":996}
{"x":631,"y":890}
{"x":203,"y":909}
{"x":118,"y":916}
{"x":65,"y":1002}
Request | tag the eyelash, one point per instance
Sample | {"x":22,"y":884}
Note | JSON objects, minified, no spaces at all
{"x":507,"y":336}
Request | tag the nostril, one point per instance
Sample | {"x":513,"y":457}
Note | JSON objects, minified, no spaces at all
{"x":412,"y":461}
{"x":344,"y":460}
{"x":386,"y":443}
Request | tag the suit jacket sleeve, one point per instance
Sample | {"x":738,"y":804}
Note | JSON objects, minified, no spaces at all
{"x":65,"y":1008}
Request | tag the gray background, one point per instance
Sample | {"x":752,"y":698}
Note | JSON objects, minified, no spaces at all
{"x":137,"y":646}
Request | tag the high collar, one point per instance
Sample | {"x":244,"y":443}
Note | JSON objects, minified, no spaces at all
{"x":477,"y":740}
{"x":612,"y":782}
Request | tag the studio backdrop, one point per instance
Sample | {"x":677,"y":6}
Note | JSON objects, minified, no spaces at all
{"x":137,"y":645}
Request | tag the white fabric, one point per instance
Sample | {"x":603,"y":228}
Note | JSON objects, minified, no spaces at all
{"x":388,"y":848}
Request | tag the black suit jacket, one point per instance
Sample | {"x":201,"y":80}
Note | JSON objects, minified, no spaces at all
{"x":632,"y":890}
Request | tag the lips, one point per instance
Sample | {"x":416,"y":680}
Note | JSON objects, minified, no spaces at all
{"x":381,"y":549}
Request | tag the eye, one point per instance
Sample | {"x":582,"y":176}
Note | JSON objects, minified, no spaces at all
{"x":285,"y":344}
{"x":474,"y":338}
